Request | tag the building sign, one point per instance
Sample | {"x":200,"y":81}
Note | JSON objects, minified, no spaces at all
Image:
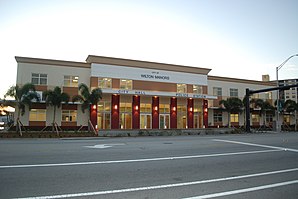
{"x":144,"y":74}
{"x":156,"y":93}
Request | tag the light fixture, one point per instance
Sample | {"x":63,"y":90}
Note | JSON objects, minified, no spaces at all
{"x":94,"y":107}
{"x":190,"y":109}
{"x":174,"y":108}
{"x":156,"y":108}
{"x":116,"y":107}
{"x":137,"y":107}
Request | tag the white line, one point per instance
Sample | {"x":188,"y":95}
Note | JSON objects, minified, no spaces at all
{"x":227,"y":193}
{"x":259,"y":145}
{"x":162,"y":186}
{"x":135,"y":160}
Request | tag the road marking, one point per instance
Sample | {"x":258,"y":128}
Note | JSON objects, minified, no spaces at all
{"x":227,"y":193}
{"x":259,"y":145}
{"x":165,"y":186}
{"x":103,"y":146}
{"x":136,"y":160}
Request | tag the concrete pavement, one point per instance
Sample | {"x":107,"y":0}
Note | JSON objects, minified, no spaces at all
{"x":229,"y":166}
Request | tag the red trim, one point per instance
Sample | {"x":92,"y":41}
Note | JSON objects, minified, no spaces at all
{"x":173,"y":113}
{"x":115,"y":111}
{"x":155,"y":112}
{"x":136,"y":112}
{"x":205,"y":113}
{"x":93,"y":114}
{"x":190,"y":111}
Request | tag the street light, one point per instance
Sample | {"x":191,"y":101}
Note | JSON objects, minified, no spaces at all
{"x":277,"y":97}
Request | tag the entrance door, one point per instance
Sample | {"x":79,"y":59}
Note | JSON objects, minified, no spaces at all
{"x":145,"y":121}
{"x":164,"y":121}
{"x":125,"y":120}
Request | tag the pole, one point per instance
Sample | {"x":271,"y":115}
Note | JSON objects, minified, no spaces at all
{"x":277,"y":102}
{"x":247,"y":111}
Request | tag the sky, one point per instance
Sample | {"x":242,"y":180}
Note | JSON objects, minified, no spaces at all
{"x":235,"y":38}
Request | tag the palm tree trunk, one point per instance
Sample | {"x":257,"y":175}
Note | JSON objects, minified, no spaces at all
{"x":18,"y":122}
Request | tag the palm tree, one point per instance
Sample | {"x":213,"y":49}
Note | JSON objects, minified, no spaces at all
{"x":55,"y":98}
{"x":264,"y":107}
{"x":231,"y":105}
{"x":23,"y":96}
{"x":291,"y":106}
{"x":87,"y":98}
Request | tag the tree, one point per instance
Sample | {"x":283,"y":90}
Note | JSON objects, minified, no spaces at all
{"x":87,"y":98}
{"x":55,"y":98}
{"x":231,"y":105}
{"x":23,"y":96}
{"x":291,"y":107}
{"x":264,"y":107}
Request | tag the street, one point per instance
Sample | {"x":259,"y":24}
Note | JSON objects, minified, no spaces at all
{"x":221,"y":166}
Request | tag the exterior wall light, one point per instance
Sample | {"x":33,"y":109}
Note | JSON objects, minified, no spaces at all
{"x":115,"y":107}
{"x":94,"y":107}
{"x":174,"y":108}
{"x":137,"y":108}
{"x":156,"y":108}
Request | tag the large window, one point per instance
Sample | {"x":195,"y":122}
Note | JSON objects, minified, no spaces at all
{"x":268,"y":95}
{"x":217,"y":117}
{"x":126,"y":84}
{"x":181,"y":116}
{"x":234,"y":117}
{"x":233,"y":92}
{"x":145,"y":107}
{"x":39,"y":79}
{"x":164,"y":108}
{"x":181,"y":88}
{"x":104,"y":82}
{"x":69,"y":115}
{"x":217,"y":91}
{"x":37,"y":115}
{"x":125,"y":114}
{"x":71,"y":81}
{"x":197,"y":89}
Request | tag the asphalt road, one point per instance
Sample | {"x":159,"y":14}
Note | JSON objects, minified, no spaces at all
{"x":223,"y":166}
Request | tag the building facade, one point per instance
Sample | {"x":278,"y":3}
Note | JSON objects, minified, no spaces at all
{"x":136,"y":94}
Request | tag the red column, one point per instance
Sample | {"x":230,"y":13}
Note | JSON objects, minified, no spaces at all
{"x":136,"y":112}
{"x":115,"y":112}
{"x":173,"y":113}
{"x":190,"y":113}
{"x":93,"y":114}
{"x":205,"y":113}
{"x":155,"y":112}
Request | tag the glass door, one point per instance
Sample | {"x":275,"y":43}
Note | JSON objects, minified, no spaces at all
{"x":145,"y":121}
{"x":164,"y":121}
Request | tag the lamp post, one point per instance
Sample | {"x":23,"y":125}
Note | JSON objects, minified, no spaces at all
{"x":277,"y":96}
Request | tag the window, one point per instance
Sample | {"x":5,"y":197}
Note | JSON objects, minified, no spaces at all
{"x":39,"y":79}
{"x":217,"y":91}
{"x":233,"y":92}
{"x":255,"y":118}
{"x":268,"y":95}
{"x":104,"y":82}
{"x":69,"y":115}
{"x":234,"y":117}
{"x":71,"y":81}
{"x":37,"y":115}
{"x":287,"y":118}
{"x":269,"y":118}
{"x":181,"y":88}
{"x":145,"y":108}
{"x":126,"y":107}
{"x":164,"y":108}
{"x":217,"y":117}
{"x":197,"y":89}
{"x":126,"y":84}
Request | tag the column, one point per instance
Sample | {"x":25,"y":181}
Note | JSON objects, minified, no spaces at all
{"x":155,"y":112}
{"x":190,"y":111}
{"x":173,"y":113}
{"x":205,"y":113}
{"x":115,"y":111}
{"x":93,"y":115}
{"x":136,"y":112}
